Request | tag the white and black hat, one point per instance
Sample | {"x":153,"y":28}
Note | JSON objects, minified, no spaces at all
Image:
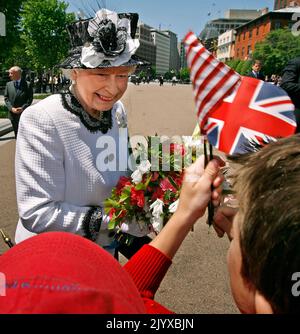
{"x":107,"y":40}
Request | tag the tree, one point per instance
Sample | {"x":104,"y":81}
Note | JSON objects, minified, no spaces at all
{"x":278,"y":48}
{"x":44,"y":32}
{"x":11,"y":10}
{"x":246,"y":67}
{"x":233,"y":63}
{"x":184,"y":74}
{"x":239,"y":66}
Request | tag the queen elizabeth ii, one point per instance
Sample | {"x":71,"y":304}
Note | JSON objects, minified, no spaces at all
{"x":60,"y":187}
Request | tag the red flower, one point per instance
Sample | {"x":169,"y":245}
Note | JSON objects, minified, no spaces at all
{"x":123,"y":182}
{"x":177,"y":148}
{"x":158,"y":194}
{"x":112,"y":211}
{"x":155,"y":176}
{"x":165,"y":185}
{"x":122,"y":214}
{"x":178,"y":180}
{"x":137,"y":197}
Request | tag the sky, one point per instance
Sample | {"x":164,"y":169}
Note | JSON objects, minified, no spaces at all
{"x":179,"y":16}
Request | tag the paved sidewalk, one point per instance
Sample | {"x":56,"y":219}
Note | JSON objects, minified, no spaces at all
{"x":5,"y":126}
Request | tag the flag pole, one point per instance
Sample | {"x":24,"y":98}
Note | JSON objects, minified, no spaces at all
{"x":206,"y":160}
{"x":6,"y":239}
{"x":211,"y":209}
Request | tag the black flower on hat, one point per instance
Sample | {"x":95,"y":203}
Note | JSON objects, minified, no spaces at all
{"x":108,"y":39}
{"x":104,"y":41}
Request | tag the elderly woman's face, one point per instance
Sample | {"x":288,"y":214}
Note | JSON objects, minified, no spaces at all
{"x":99,"y":89}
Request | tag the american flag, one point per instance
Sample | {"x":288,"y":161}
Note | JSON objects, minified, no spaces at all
{"x":236,"y":112}
{"x":212,"y":80}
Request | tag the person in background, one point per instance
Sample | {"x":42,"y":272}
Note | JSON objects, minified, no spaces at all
{"x":256,"y":70}
{"x":18,"y":96}
{"x":290,"y":82}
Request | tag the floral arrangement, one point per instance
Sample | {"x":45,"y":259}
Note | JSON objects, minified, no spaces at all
{"x":149,"y":197}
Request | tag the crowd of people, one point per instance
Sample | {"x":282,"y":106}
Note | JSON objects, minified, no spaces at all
{"x":57,"y":265}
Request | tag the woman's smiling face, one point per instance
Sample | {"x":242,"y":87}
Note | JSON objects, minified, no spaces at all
{"x":99,"y":89}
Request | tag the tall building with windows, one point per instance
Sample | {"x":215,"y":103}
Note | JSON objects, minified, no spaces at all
{"x":226,"y":43}
{"x":147,"y":49}
{"x":162,"y":42}
{"x":233,"y":18}
{"x":174,"y":54}
{"x":183,"y":60}
{"x":279,"y":4}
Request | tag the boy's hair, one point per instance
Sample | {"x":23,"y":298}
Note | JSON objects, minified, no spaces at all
{"x":256,"y":61}
{"x":268,"y":188}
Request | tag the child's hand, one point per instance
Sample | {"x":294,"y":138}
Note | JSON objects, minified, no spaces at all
{"x":196,"y":190}
{"x":223,"y":221}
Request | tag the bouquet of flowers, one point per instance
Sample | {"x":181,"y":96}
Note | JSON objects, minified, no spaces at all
{"x":150,"y":195}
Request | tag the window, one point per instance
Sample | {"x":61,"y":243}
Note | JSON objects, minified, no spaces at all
{"x":277,"y":25}
{"x":249,"y":51}
{"x":250,"y":34}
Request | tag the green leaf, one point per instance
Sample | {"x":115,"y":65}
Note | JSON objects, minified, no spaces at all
{"x":140,"y":186}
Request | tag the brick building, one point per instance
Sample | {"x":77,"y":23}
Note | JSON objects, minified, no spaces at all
{"x":279,"y":4}
{"x":257,"y":30}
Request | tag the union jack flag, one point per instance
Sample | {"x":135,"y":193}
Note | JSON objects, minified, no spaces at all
{"x":238,"y":112}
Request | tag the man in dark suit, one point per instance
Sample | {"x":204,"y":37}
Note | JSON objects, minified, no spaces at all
{"x":256,"y":71}
{"x":18,"y":96}
{"x":291,"y":84}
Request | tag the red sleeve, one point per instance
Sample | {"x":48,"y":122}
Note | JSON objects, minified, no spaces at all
{"x":147,"y":269}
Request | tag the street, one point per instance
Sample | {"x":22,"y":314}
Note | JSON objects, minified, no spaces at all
{"x":197,"y":282}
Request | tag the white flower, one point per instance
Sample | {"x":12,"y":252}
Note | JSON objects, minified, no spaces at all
{"x":157,"y":208}
{"x":173,"y":207}
{"x":137,"y":176}
{"x":145,"y":166}
{"x":124,"y":227}
{"x":142,"y":169}
{"x":192,"y":142}
{"x":157,"y":223}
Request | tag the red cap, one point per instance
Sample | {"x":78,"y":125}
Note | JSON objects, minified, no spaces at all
{"x":60,"y":272}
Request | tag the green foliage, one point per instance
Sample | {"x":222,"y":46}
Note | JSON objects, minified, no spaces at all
{"x":152,"y":72}
{"x":184,"y":74}
{"x":170,"y":74}
{"x":233,"y":63}
{"x":11,"y":10}
{"x":246,"y":67}
{"x":278,"y":48}
{"x":239,"y":66}
{"x":41,"y":96}
{"x":142,"y":74}
{"x":44,"y":32}
{"x":3,"y":111}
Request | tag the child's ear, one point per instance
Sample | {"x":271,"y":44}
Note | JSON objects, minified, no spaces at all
{"x":262,"y":306}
